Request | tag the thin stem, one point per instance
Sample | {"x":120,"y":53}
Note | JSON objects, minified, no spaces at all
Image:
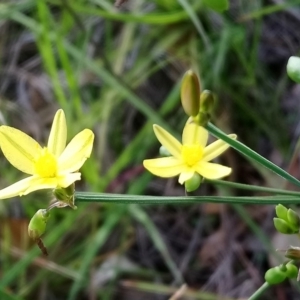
{"x":137,"y":199}
{"x":254,"y":188}
{"x":259,"y":292}
{"x":248,"y":152}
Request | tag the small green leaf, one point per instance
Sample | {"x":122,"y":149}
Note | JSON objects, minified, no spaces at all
{"x":293,"y":68}
{"x":218,"y":5}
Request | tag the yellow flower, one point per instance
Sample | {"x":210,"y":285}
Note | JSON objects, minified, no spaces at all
{"x":189,"y":157}
{"x":50,"y":167}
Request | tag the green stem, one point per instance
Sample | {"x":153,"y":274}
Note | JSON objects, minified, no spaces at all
{"x":137,"y":199}
{"x":246,"y":151}
{"x":259,"y":292}
{"x":253,"y":188}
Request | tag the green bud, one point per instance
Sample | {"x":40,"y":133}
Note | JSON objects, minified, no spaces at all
{"x":275,"y":276}
{"x":193,"y":183}
{"x":293,"y":219}
{"x":282,"y":226}
{"x":37,"y":224}
{"x":292,"y":270}
{"x":207,"y":101}
{"x":190,"y":93}
{"x":163,"y":151}
{"x":293,"y":253}
{"x":281,"y":212}
{"x":66,"y":195}
{"x":293,"y":68}
{"x":202,"y":118}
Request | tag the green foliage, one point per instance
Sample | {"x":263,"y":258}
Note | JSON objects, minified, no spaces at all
{"x":118,"y":72}
{"x":218,"y":5}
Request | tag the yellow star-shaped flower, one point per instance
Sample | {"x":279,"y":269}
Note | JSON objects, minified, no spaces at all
{"x":54,"y":166}
{"x":189,"y":157}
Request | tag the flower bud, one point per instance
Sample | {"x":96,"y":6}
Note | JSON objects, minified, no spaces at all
{"x":193,"y":183}
{"x":291,"y":270}
{"x":283,"y":227}
{"x":163,"y":151}
{"x":293,"y":253}
{"x":281,"y":212}
{"x":37,"y":224}
{"x":293,"y":220}
{"x":202,"y":118}
{"x":190,"y":93}
{"x":207,"y":101}
{"x":66,"y":195}
{"x":293,"y":68}
{"x":275,"y":275}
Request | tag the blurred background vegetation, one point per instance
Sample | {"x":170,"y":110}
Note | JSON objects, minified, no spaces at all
{"x":118,"y":71}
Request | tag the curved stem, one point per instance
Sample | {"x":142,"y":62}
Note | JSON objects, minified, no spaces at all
{"x":259,"y":292}
{"x":137,"y":199}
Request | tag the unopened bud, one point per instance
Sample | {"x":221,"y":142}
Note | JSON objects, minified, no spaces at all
{"x":163,"y":151}
{"x":293,"y":253}
{"x":207,"y":101}
{"x":66,"y":195}
{"x":292,"y":270}
{"x":281,"y":212}
{"x":190,"y":93}
{"x":293,"y":219}
{"x":283,"y":227}
{"x":293,"y":68}
{"x":37,"y":224}
{"x":202,"y":118}
{"x":193,"y":183}
{"x":275,"y":275}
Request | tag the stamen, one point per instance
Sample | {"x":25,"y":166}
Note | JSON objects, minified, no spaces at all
{"x":46,"y":164}
{"x":191,"y":154}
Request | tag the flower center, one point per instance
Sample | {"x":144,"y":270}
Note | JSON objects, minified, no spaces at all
{"x":46,"y":164}
{"x":191,"y":154}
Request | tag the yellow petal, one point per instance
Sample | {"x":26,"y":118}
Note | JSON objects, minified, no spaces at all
{"x":38,"y":183}
{"x":194,"y":134}
{"x":19,"y":148}
{"x":58,"y":134}
{"x":216,"y":148}
{"x":16,"y":189}
{"x":168,"y":141}
{"x":211,"y":170}
{"x":76,"y":152}
{"x":164,"y":167}
{"x":68,"y":179}
{"x":186,"y":175}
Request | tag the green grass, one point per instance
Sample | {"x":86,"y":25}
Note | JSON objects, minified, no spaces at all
{"x":118,"y":72}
